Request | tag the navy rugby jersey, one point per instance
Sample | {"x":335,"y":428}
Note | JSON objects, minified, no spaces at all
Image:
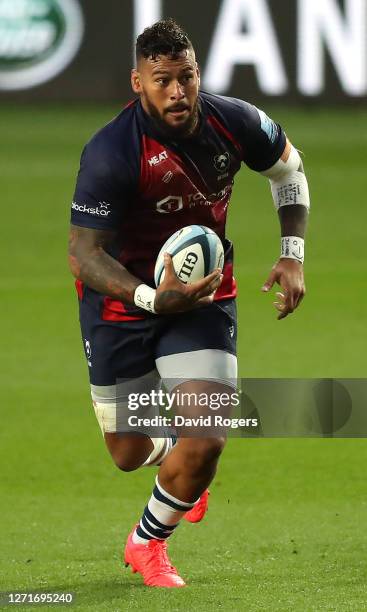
{"x":145,"y":186}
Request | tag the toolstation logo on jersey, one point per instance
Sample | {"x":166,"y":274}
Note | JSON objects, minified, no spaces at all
{"x":174,"y":203}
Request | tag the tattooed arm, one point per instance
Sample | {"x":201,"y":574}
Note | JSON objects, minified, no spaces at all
{"x":90,"y":263}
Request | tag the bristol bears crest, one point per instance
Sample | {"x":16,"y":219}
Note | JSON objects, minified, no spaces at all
{"x":221,"y":162}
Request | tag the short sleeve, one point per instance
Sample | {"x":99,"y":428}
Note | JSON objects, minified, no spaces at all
{"x":102,"y":192}
{"x":261,"y":139}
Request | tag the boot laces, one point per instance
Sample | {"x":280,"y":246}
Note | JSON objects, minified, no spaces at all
{"x":159,"y":562}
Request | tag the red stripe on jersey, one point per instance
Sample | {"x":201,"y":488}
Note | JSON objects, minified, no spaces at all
{"x":220,"y":128}
{"x":128,"y":104}
{"x":154,"y":167}
{"x":79,"y":288}
{"x":228,"y":288}
{"x":114,"y":310}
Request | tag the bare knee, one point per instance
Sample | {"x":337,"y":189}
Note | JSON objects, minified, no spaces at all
{"x":125,"y":464}
{"x":128,"y":452}
{"x":203,"y":452}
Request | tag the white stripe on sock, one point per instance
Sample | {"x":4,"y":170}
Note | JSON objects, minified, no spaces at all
{"x":187,"y":505}
{"x":163,"y":513}
{"x":166,"y":515}
{"x":145,"y":530}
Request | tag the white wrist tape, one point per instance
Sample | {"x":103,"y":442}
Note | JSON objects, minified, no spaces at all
{"x":144,"y":297}
{"x":288,"y":184}
{"x":293,"y":247}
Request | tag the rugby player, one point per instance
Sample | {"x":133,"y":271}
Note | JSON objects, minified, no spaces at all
{"x":168,"y":160}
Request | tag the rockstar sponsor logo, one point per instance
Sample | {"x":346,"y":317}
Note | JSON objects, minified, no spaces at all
{"x":38,"y":40}
{"x":97,"y":211}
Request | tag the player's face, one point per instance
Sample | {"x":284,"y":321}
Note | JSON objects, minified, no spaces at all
{"x":169,"y":89}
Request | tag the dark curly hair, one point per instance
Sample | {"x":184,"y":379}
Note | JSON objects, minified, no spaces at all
{"x":164,"y":37}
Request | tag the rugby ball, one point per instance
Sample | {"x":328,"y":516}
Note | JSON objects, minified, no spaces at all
{"x":196,"y":251}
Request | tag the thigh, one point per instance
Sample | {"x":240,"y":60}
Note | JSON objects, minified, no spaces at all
{"x":201,"y":345}
{"x":121,"y":365}
{"x":118,"y":350}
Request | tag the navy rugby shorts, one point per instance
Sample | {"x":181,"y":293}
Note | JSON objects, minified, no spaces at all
{"x":131,"y":349}
{"x":136,"y":357}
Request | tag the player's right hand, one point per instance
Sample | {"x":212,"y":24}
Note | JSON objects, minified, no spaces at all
{"x":173,"y":296}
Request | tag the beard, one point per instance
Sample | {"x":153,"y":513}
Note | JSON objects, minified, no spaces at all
{"x":181,"y":130}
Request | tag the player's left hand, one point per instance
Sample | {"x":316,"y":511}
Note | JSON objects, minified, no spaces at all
{"x":288,"y":273}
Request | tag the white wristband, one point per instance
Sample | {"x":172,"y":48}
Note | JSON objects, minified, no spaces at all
{"x":293,"y":247}
{"x":144,"y":297}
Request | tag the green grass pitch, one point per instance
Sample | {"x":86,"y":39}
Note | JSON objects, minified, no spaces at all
{"x":286,"y":527}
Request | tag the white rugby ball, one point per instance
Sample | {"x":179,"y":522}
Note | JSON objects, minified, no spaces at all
{"x":196,"y":251}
